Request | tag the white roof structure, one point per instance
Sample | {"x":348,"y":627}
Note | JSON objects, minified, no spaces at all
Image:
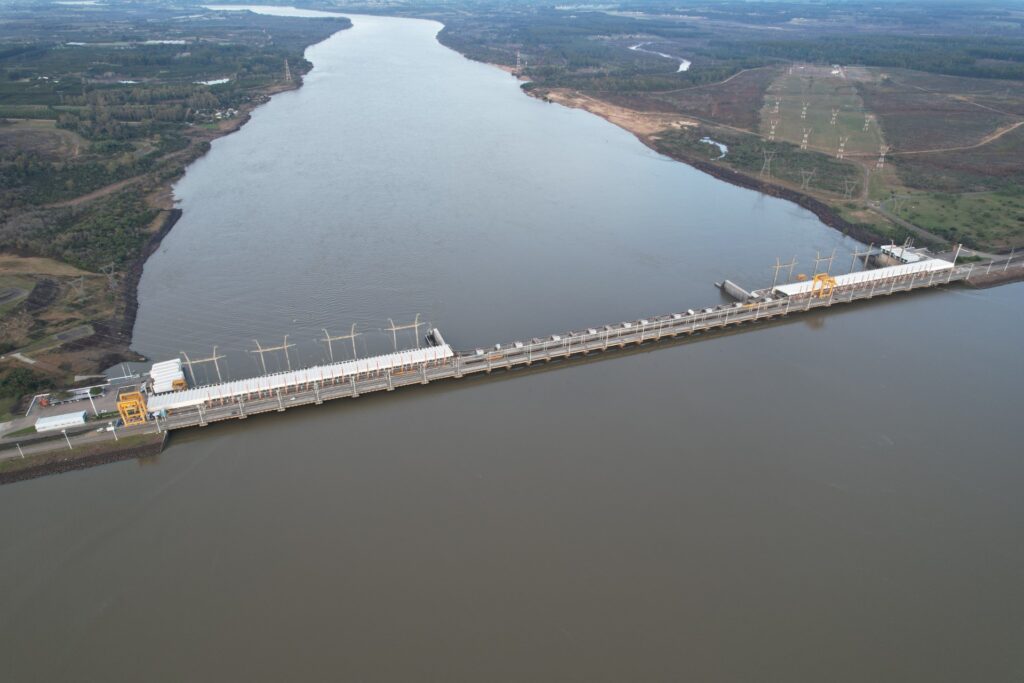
{"x":867,"y":276}
{"x":318,"y":373}
{"x":62,"y":421}
{"x":902,"y":253}
{"x":165,"y":374}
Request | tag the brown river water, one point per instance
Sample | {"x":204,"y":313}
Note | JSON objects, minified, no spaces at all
{"x":835,"y":498}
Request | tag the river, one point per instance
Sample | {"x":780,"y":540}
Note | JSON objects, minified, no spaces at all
{"x":834,"y":498}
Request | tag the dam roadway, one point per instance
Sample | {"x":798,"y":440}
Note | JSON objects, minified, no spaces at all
{"x":562,"y":346}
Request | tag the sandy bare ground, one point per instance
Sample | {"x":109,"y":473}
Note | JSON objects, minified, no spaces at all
{"x":637,"y":122}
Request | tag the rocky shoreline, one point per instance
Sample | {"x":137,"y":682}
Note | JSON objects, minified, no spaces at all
{"x":62,"y":460}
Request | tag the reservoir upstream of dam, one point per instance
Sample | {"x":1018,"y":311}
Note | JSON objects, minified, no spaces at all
{"x":837,"y":497}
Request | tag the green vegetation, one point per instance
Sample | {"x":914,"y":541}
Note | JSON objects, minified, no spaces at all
{"x":746,"y":154}
{"x":18,"y":382}
{"x":978,"y":220}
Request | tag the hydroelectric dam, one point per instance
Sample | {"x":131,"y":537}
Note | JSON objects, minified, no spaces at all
{"x":169,"y":404}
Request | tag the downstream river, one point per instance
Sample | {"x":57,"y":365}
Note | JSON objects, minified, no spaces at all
{"x":836,"y":498}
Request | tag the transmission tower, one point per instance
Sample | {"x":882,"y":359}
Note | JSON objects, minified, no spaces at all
{"x":848,"y":187}
{"x":283,"y":347}
{"x":842,"y":146}
{"x":766,"y":168}
{"x":867,"y":121}
{"x":882,"y":151}
{"x":807,"y":134}
{"x":803,"y":110}
{"x":807,"y":177}
{"x":78,"y":285}
{"x":776,"y":109}
{"x":771,"y":129}
{"x":329,"y":339}
{"x":835,"y":115}
{"x":111,"y":274}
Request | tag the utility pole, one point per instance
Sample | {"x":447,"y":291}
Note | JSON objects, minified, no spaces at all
{"x":212,"y":359}
{"x":394,"y":329}
{"x":779,"y":266}
{"x":283,"y":347}
{"x":329,"y":339}
{"x":866,"y":254}
{"x":819,"y":258}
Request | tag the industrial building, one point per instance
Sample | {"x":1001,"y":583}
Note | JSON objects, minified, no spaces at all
{"x":62,"y":421}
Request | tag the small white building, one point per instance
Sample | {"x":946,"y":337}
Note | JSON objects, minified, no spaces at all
{"x":62,"y":421}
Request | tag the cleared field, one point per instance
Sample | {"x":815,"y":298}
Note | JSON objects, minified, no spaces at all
{"x":823,"y":91}
{"x":916,"y":117}
{"x":734,"y":102}
{"x":39,"y":137}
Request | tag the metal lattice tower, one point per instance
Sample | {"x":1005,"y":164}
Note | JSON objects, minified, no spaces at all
{"x":807,"y":135}
{"x":803,"y":110}
{"x":882,"y":151}
{"x":766,"y":168}
{"x":835,"y":115}
{"x":842,"y":146}
{"x":771,"y":129}
{"x":866,"y":254}
{"x":806,"y":178}
{"x":848,"y":188}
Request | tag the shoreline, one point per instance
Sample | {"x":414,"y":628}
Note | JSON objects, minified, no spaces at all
{"x":122,"y":327}
{"x":645,"y":125}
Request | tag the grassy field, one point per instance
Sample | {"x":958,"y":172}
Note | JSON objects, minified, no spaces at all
{"x":982,"y":218}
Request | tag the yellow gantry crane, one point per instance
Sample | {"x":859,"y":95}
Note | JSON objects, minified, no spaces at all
{"x":132,"y":407}
{"x":823,"y":285}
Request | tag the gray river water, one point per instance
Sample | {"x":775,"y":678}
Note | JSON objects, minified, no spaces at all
{"x":835,"y":498}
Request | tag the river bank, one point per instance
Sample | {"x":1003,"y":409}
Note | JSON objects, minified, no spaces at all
{"x":60,"y":459}
{"x":647,"y":125}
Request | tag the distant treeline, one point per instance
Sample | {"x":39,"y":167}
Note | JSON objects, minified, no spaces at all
{"x":964,"y":56}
